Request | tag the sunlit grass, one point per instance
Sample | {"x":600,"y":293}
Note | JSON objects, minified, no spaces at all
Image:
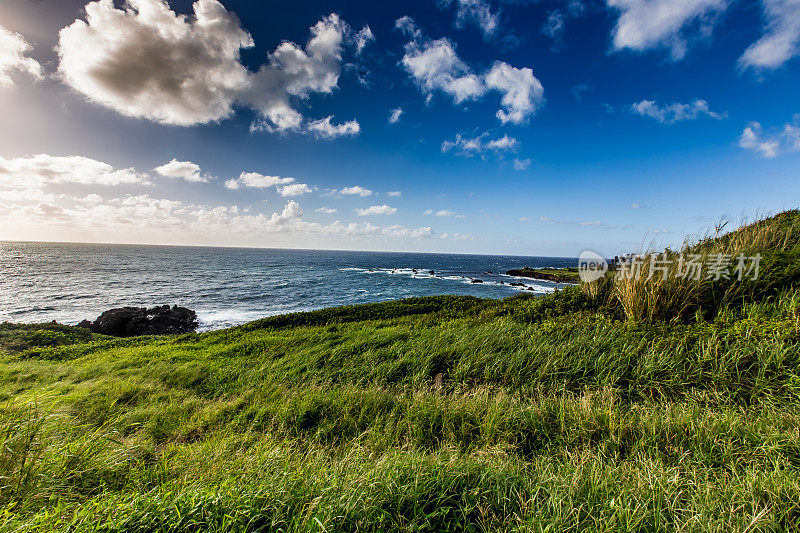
{"x":563,"y":413}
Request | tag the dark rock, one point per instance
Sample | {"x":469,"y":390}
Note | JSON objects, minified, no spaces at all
{"x":476,"y":281}
{"x":431,"y":272}
{"x":559,"y":275}
{"x":85,"y":324}
{"x":133,"y":321}
{"x":516,"y":284}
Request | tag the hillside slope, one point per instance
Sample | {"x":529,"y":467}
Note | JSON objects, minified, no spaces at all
{"x":444,"y":413}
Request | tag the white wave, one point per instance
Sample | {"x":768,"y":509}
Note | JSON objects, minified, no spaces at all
{"x":223,"y":318}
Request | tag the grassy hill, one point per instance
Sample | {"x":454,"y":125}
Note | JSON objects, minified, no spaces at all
{"x":621,"y":405}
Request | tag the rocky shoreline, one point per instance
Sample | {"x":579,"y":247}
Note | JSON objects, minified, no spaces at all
{"x":558,"y":275}
{"x":135,"y":321}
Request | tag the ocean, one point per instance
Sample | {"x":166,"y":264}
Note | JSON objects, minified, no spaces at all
{"x":41,"y":282}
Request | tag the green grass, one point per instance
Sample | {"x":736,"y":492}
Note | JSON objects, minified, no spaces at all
{"x":554,"y":414}
{"x":560,"y":275}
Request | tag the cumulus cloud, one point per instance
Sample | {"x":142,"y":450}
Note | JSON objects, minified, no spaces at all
{"x":648,"y":24}
{"x":782,"y":37}
{"x":258,"y":181}
{"x":38,"y":170}
{"x":326,"y":210}
{"x":478,"y":12}
{"x":470,"y":146}
{"x":185,"y":170}
{"x":295,"y":189}
{"x":13,"y":57}
{"x":435,"y":66}
{"x":324,"y":129}
{"x":394,"y":116}
{"x":376,"y":210}
{"x":396,"y":194}
{"x":522,"y":92}
{"x":356,"y":190}
{"x":675,"y":112}
{"x":771,"y":144}
{"x":144,"y":60}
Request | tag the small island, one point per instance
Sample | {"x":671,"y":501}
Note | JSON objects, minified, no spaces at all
{"x":559,"y":275}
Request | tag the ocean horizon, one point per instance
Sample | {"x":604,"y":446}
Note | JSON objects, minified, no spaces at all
{"x":227,"y":286}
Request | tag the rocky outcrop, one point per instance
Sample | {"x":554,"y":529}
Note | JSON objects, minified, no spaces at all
{"x":559,"y":275}
{"x":133,"y":321}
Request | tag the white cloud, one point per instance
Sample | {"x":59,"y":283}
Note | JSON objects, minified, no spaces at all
{"x":674,"y":112}
{"x":295,"y":189}
{"x":522,"y":92}
{"x":258,"y":181}
{"x":326,"y":210}
{"x":185,"y":170}
{"x":503,"y":144}
{"x":478,"y":12}
{"x":324,"y":129}
{"x":585,"y":223}
{"x":470,"y":146}
{"x":396,"y":194}
{"x":400,"y":231}
{"x":362,"y":39}
{"x":144,"y":60}
{"x":781,"y":40}
{"x":38,"y":170}
{"x":356,"y":190}
{"x":785,"y":140}
{"x":647,"y":24}
{"x":26,"y":195}
{"x":90,"y":199}
{"x":408,"y":26}
{"x":376,"y":210}
{"x":524,"y":219}
{"x":145,"y":215}
{"x":457,"y":236}
{"x":446,"y":213}
{"x":13,"y":57}
{"x":435,"y":66}
{"x":394,"y":116}
{"x":297,"y":73}
{"x":554,"y":26}
{"x":522,"y":164}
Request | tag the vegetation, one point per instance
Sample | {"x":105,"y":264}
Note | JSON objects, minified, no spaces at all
{"x":577,"y":411}
{"x":559,"y":275}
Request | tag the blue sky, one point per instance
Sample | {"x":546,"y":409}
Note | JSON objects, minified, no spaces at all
{"x":526,"y":127}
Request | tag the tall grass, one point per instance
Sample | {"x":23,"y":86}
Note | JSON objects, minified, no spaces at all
{"x":664,"y":286}
{"x":636,"y":405}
